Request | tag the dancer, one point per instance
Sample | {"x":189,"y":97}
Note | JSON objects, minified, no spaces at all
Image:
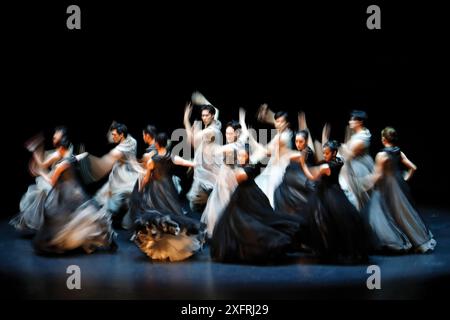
{"x":226,"y":181}
{"x":125,"y":170}
{"x":70,"y":218}
{"x":278,"y":149}
{"x":358,"y":167}
{"x":149,"y":135}
{"x":336,"y":227}
{"x":395,"y":225}
{"x":154,"y":189}
{"x":249,"y":231}
{"x":30,"y":217}
{"x":292,"y":194}
{"x":162,"y":230}
{"x":205,"y":142}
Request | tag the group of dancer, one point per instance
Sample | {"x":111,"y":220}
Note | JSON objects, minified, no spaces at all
{"x":323,"y":198}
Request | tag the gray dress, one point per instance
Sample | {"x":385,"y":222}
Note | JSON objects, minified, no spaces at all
{"x":354,"y":178}
{"x":207,"y":166}
{"x":394,"y":223}
{"x":30,"y":217}
{"x":115,"y":193}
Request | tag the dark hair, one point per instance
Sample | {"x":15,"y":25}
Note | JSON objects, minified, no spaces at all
{"x":120,"y":128}
{"x":303,"y":133}
{"x":333,"y":145}
{"x":64,"y":142}
{"x":280,"y":114}
{"x":150,"y":130}
{"x":162,"y":139}
{"x":234,"y":124}
{"x":359,"y":115}
{"x":63,"y":130}
{"x":390,"y":134}
{"x":209,"y":107}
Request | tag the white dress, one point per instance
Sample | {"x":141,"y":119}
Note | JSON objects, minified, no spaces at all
{"x":122,"y":178}
{"x":225,"y":185}
{"x":272,"y":176}
{"x":207,"y":164}
{"x":354,"y":177}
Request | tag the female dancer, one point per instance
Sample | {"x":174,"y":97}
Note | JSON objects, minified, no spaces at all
{"x":278,"y":149}
{"x":249,"y":231}
{"x":336,"y":227}
{"x":30,"y":217}
{"x":291,"y":196}
{"x":162,"y":230}
{"x":71,"y":219}
{"x":395,"y":225}
{"x":226,"y":181}
{"x":358,"y":168}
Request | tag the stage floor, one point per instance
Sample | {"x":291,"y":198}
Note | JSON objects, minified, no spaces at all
{"x":129,"y":274}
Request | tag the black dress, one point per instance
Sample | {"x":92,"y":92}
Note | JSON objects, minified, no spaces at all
{"x":394,"y":223}
{"x":162,"y":231}
{"x":72,"y":219}
{"x":336,"y":228}
{"x":292,"y":194}
{"x":249,"y":231}
{"x":159,"y":194}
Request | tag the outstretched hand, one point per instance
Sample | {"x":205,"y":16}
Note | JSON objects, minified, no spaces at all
{"x":32,"y":144}
{"x":302,"y":121}
{"x":262,"y":112}
{"x":326,"y":133}
{"x":242,"y":118}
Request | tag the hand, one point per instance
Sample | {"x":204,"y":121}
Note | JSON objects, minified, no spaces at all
{"x":326,"y":133}
{"x":81,"y":148}
{"x":262,"y":112}
{"x":32,"y":144}
{"x":242,"y":117}
{"x":302,"y":121}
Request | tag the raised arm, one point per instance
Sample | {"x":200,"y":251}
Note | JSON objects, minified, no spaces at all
{"x":265,"y":114}
{"x":303,"y":126}
{"x":187,"y":123}
{"x":258,"y":151}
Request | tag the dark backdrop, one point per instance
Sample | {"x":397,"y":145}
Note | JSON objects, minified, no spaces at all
{"x":138,"y":64}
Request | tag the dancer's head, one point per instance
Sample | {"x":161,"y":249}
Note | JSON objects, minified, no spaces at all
{"x":119,"y":132}
{"x":60,"y":133}
{"x":149,"y":134}
{"x":243,"y":155}
{"x":232,"y":131}
{"x":281,"y":120}
{"x":161,"y":140}
{"x":358,"y":119}
{"x":208,"y":112}
{"x":61,"y":139}
{"x":330,"y":149}
{"x":389,"y":136}
{"x":301,"y":140}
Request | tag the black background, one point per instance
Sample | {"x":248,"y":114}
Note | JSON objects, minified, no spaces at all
{"x":139,"y":63}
